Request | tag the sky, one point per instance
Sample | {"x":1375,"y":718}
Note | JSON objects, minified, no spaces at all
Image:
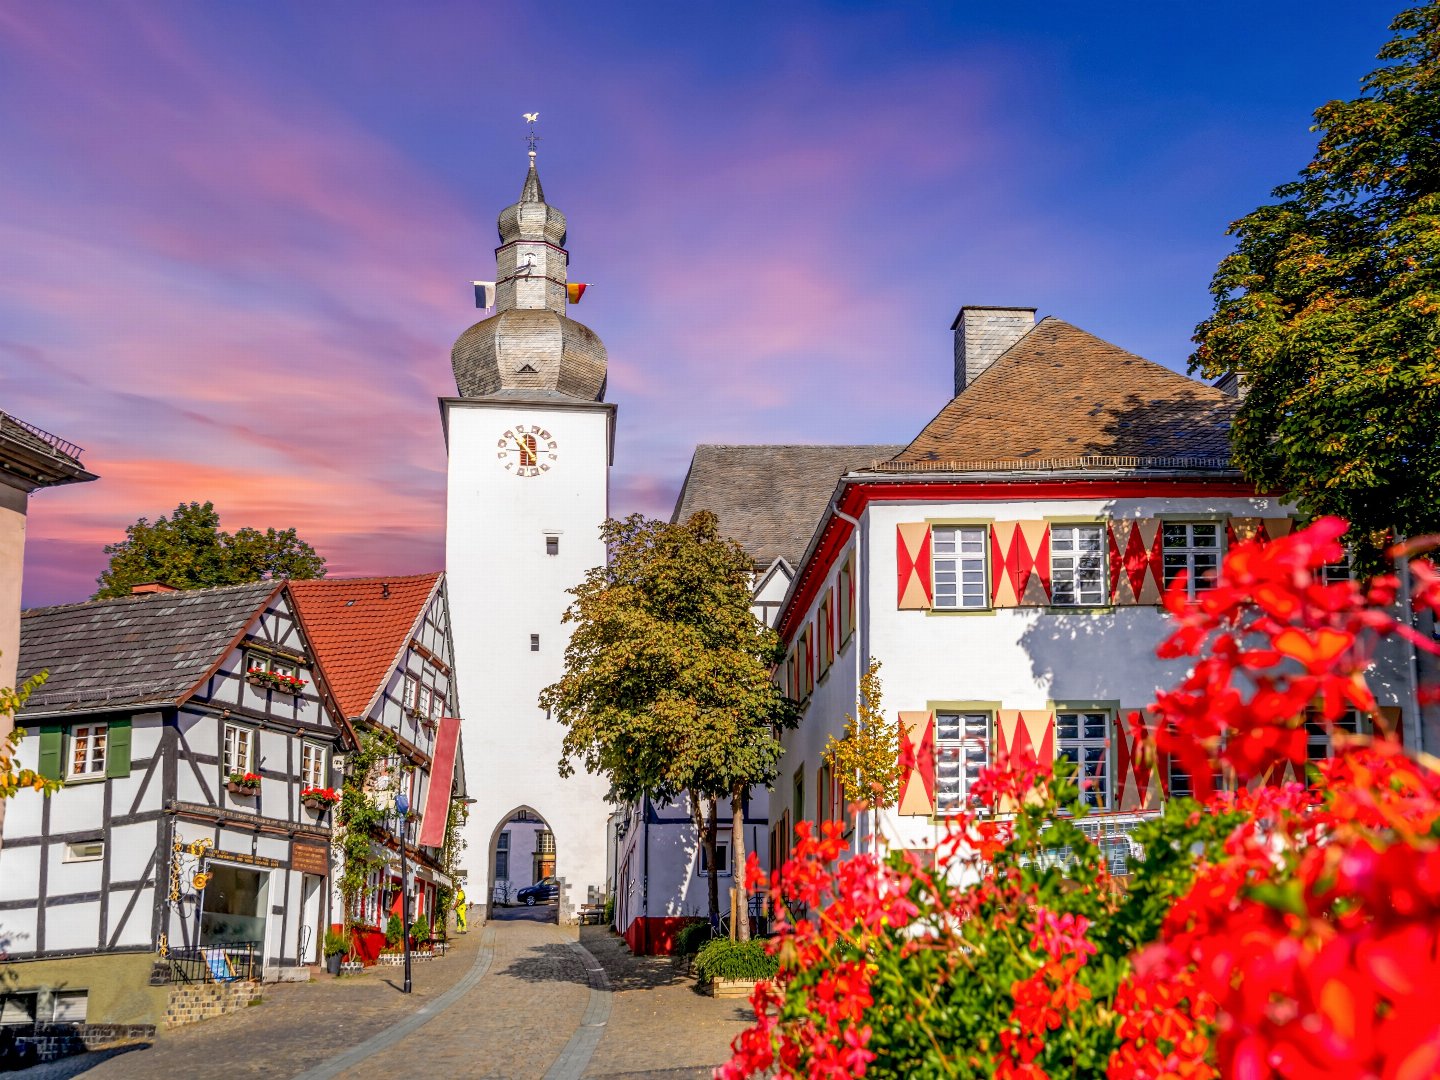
{"x":237,"y":240}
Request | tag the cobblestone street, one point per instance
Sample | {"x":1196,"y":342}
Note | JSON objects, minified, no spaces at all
{"x":519,"y":998}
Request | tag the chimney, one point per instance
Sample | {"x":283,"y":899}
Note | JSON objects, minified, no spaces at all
{"x":982,"y":334}
{"x":1232,"y":383}
{"x":146,"y":587}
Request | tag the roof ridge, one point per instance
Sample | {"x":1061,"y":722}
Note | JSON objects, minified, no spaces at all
{"x":429,"y":575}
{"x":135,"y":598}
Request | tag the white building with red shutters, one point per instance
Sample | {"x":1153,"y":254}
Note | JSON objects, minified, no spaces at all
{"x":1006,"y":568}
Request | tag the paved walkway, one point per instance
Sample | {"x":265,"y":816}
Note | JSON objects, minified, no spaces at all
{"x":519,"y":999}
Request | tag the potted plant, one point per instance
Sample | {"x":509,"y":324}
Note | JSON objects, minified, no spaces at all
{"x":336,"y":946}
{"x":275,"y":680}
{"x":732,"y":968}
{"x":420,"y":931}
{"x":319,"y":799}
{"x":243,"y":783}
{"x":394,"y":930}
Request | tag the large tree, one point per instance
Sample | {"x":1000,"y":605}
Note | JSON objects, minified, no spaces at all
{"x":1329,"y":307}
{"x":188,"y":550}
{"x":667,"y":687}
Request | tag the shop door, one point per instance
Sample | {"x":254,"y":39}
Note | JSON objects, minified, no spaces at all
{"x":312,"y":930}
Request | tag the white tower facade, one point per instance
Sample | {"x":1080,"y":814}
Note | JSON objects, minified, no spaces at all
{"x":530,"y":442}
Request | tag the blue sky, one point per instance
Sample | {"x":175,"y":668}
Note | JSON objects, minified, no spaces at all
{"x":238,"y":237}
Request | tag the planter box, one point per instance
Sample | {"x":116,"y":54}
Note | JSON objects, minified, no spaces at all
{"x":741,"y":988}
{"x":246,"y":790}
{"x":279,"y":688}
{"x":316,"y":806}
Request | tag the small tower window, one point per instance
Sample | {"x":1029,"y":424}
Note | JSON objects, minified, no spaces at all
{"x":534,"y":642}
{"x":552,"y":545}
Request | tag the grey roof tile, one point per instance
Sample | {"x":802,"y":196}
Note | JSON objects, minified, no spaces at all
{"x":134,"y":649}
{"x":770,"y":498}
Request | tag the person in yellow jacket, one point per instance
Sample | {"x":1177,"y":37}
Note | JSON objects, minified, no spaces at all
{"x":460,"y":910}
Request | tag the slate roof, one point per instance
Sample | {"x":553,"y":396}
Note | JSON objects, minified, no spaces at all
{"x":37,"y":456}
{"x":1060,"y":394}
{"x":770,"y":498}
{"x":356,"y":631}
{"x":132,"y":650}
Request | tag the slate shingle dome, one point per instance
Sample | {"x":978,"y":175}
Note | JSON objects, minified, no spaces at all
{"x":529,"y":347}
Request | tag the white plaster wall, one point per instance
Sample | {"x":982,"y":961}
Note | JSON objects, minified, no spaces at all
{"x":503,"y":588}
{"x":72,"y":926}
{"x":1022,"y":658}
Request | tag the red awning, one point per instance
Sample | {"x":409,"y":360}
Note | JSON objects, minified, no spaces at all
{"x":442,"y":780}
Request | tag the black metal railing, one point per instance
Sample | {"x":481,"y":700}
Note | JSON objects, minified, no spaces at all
{"x":69,"y":449}
{"x":234,"y":962}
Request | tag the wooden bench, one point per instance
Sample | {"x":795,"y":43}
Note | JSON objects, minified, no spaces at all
{"x":592,"y":913}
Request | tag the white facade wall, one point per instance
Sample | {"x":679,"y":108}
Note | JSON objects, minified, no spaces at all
{"x":504,"y":588}
{"x":1015,"y":658}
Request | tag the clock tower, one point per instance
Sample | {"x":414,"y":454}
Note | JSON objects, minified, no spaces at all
{"x":530,"y":440}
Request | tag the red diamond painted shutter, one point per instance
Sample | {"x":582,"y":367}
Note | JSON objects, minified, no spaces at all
{"x":912,"y":556}
{"x":1004,"y":564}
{"x":1137,"y":776}
{"x":1033,"y":562}
{"x":1139,"y":561}
{"x":917,"y":783}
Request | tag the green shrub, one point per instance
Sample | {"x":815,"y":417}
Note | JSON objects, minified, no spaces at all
{"x":722,"y":958}
{"x":394,"y":930}
{"x":690,"y":938}
{"x":336,"y":943}
{"x":610,"y":910}
{"x":420,"y":930}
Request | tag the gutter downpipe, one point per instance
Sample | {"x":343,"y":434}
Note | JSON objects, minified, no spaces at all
{"x":862,"y":632}
{"x":645,"y":867}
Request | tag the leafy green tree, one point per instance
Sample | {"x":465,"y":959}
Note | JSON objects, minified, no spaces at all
{"x":188,"y":550}
{"x":667,"y":687}
{"x":867,"y":759}
{"x":1329,"y":307}
{"x":14,"y":779}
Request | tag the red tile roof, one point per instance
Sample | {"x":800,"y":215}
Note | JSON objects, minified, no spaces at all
{"x":357,"y":630}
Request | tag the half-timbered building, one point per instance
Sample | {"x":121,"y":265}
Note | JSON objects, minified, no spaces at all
{"x":385,"y":649}
{"x":185,"y":726}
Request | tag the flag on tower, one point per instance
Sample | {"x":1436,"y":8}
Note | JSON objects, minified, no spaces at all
{"x":576,"y":289}
{"x":484,"y":294}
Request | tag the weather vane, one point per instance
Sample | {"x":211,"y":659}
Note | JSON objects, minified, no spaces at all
{"x":532,"y":138}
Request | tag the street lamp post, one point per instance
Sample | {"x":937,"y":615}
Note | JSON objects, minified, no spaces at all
{"x":402,"y":809}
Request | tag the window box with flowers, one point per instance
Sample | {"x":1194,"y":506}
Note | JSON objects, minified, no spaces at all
{"x":319,"y":799}
{"x":243,"y":783}
{"x":275,"y":680}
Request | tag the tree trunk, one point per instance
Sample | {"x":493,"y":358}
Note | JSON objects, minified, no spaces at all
{"x":711,"y":833}
{"x":740,"y":917}
{"x":706,"y":838}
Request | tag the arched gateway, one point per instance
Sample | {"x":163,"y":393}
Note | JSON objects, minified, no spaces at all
{"x":529,"y":440}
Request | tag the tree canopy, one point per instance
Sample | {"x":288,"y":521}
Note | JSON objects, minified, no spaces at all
{"x":667,"y":686}
{"x":1329,"y":307}
{"x":188,"y":550}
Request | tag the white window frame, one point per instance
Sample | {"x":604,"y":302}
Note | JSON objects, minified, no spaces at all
{"x":92,"y":743}
{"x":242,"y":734}
{"x":314,"y":771}
{"x":1319,"y":746}
{"x":84,"y":851}
{"x":968,"y":746}
{"x":1200,"y":562}
{"x":954,"y":553}
{"x":1082,"y":570}
{"x":1082,"y":743}
{"x":425,"y":701}
{"x":69,"y":1006}
{"x":1330,"y":573}
{"x":722,"y":844}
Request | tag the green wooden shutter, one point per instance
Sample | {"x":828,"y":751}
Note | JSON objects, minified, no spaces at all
{"x":117,"y":748}
{"x":52,"y":751}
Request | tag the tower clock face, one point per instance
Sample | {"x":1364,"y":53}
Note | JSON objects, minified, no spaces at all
{"x":526,"y":450}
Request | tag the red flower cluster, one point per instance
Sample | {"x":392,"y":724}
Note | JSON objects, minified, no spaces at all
{"x":291,"y":684}
{"x":328,"y":795}
{"x":244,"y":779}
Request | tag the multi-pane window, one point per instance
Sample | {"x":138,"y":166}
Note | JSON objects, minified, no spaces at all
{"x":425,"y":703}
{"x":87,"y":750}
{"x":957,"y":554}
{"x":312,"y":766}
{"x":1330,"y":573}
{"x":1319,"y":746}
{"x":962,"y":747}
{"x":502,"y":857}
{"x":239,"y":749}
{"x":846,"y":599}
{"x":825,"y":644}
{"x":1077,"y":565}
{"x":1084,"y":738}
{"x":1191,"y":548}
{"x":409,"y":691}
